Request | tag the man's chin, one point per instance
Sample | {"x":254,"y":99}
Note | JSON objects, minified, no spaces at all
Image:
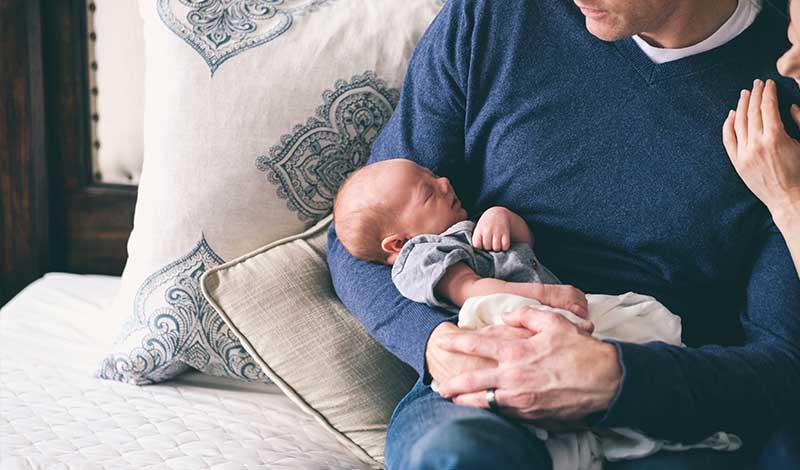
{"x":605,"y":32}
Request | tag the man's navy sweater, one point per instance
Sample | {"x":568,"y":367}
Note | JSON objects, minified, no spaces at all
{"x":618,"y":167}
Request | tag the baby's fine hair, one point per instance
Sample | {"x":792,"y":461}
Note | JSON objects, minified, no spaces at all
{"x":360,"y":224}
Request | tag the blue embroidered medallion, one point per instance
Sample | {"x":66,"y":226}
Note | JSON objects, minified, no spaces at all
{"x":221,"y":29}
{"x":175,"y":327}
{"x":312,"y":162}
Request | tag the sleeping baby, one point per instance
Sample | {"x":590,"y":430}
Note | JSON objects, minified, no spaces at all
{"x":398,"y":213}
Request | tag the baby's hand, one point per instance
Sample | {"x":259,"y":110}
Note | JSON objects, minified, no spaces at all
{"x":561,"y":296}
{"x":493,"y":230}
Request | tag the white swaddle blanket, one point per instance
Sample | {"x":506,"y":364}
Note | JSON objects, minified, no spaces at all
{"x":629,"y":317}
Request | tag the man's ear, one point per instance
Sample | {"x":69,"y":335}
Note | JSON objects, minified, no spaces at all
{"x":393,"y":243}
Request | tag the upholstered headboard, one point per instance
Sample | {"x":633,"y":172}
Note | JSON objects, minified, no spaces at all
{"x":116,"y":90}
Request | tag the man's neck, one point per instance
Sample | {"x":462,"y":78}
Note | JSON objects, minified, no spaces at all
{"x":690,"y":22}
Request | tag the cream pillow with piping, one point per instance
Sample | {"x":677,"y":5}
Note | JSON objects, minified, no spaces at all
{"x":280,"y":303}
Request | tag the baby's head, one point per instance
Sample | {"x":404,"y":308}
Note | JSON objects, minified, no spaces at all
{"x":383,"y":205}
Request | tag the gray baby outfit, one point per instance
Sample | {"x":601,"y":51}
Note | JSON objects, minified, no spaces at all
{"x":424,"y":260}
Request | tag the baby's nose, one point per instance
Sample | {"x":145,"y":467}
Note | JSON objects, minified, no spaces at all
{"x":444,"y":184}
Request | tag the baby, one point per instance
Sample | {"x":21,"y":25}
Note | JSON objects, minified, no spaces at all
{"x":398,"y":213}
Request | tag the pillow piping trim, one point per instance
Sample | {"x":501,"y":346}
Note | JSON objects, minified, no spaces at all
{"x":287,"y":389}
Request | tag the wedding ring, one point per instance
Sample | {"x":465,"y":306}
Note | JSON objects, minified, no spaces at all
{"x":491,"y":399}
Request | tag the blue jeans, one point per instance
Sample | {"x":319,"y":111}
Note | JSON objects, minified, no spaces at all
{"x":782,"y":449}
{"x":428,"y":432}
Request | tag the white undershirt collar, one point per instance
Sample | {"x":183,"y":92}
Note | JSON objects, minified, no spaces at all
{"x":740,"y":20}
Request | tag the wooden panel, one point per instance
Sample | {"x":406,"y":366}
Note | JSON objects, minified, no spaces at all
{"x":23,"y":175}
{"x":92,"y":221}
{"x":96,"y":228}
{"x":52,"y":216}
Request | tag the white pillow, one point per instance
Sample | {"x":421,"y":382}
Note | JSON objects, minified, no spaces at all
{"x":255,"y":112}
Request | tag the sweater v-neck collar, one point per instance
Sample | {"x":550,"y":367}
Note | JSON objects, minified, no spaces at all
{"x":738,"y":47}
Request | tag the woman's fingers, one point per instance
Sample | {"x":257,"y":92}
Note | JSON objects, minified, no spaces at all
{"x":755,"y":124}
{"x":795,"y":112}
{"x":769,"y":108}
{"x":729,"y":136}
{"x":740,"y":123}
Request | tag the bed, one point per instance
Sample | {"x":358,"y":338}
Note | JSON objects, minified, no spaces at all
{"x":55,"y":414}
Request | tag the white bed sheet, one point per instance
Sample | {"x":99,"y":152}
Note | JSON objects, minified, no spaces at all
{"x":55,"y":414}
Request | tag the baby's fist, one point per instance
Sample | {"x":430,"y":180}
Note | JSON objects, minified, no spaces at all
{"x":493,"y":230}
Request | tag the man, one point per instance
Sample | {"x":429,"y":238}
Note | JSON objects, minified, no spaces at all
{"x":599,"y":123}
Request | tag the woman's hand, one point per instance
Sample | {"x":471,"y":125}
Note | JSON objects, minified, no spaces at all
{"x":764,"y":155}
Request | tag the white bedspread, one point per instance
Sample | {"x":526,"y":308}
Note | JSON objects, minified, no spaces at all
{"x":54,"y":414}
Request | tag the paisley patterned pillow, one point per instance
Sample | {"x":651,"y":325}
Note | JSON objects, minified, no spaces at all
{"x":255,"y":112}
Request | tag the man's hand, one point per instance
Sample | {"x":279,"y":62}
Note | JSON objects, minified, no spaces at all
{"x":559,"y":373}
{"x":443,"y":364}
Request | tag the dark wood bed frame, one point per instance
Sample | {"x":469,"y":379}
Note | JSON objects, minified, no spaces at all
{"x":53,"y":215}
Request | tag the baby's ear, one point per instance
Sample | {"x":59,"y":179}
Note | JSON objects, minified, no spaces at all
{"x":393,"y":243}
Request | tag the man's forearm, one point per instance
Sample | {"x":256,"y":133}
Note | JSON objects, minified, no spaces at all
{"x":366,"y":289}
{"x":685,"y":395}
{"x":689,"y":393}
